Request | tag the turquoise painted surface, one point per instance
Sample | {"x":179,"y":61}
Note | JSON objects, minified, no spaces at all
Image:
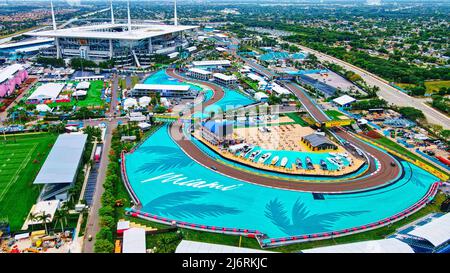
{"x":170,"y":184}
{"x":161,"y":77}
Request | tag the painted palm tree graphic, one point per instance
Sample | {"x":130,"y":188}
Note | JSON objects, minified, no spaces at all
{"x":181,"y":204}
{"x":302,"y":220}
{"x":166,"y":158}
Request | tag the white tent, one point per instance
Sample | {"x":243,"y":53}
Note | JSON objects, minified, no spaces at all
{"x":83,"y":85}
{"x":436,"y":232}
{"x":144,"y":101}
{"x":260,"y":96}
{"x":186,"y":246}
{"x":130,"y":102}
{"x":134,"y":241}
{"x":47,"y":91}
{"x":390,"y":245}
{"x":43,"y":108}
{"x":344,"y":100}
{"x":79,"y":93}
{"x":165,"y":102}
{"x":144,"y":125}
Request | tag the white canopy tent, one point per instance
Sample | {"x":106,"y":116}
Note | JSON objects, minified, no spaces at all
{"x":144,"y":101}
{"x":134,"y":241}
{"x":186,"y":246}
{"x":344,"y":100}
{"x":390,"y":245}
{"x":43,"y":108}
{"x":129,"y":103}
{"x":83,"y":85}
{"x":436,"y":232}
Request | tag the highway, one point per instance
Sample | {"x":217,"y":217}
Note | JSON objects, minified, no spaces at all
{"x":374,"y":177}
{"x":387,"y":92}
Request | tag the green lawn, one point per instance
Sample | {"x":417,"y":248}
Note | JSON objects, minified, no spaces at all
{"x":92,"y":99}
{"x":334,"y":114}
{"x":434,"y":86}
{"x":22,"y":157}
{"x":296,"y":117}
{"x":431,"y":86}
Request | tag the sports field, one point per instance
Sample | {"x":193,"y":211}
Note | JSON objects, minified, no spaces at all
{"x":21,"y":157}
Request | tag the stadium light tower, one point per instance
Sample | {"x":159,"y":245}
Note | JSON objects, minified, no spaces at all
{"x":175,"y":17}
{"x":129,"y":17}
{"x":112,"y":13}
{"x":53,"y":15}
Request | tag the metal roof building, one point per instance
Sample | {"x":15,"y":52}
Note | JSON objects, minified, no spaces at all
{"x":60,"y":168}
{"x":318,"y":142}
{"x":62,"y":163}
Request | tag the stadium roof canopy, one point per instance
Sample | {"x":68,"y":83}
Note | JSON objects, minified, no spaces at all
{"x":390,"y":245}
{"x":62,"y":163}
{"x":113,"y":31}
{"x":186,"y":246}
{"x":436,"y":232}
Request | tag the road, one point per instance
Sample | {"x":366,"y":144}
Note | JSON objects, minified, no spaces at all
{"x":387,"y":92}
{"x":93,"y":224}
{"x":374,"y":177}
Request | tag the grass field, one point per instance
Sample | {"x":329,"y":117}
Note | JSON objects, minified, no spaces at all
{"x":92,"y":99}
{"x":335,"y":115}
{"x":434,"y":86}
{"x":22,"y":157}
{"x":296,"y":117}
{"x":431,"y":86}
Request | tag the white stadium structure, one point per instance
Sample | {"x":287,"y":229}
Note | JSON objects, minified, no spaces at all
{"x":128,"y":44}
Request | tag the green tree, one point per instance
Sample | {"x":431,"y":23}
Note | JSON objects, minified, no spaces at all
{"x":411,"y":113}
{"x":103,"y":246}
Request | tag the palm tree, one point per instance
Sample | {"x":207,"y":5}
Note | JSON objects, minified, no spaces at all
{"x":298,"y":106}
{"x":44,"y":218}
{"x":32,"y":217}
{"x":59,"y":218}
